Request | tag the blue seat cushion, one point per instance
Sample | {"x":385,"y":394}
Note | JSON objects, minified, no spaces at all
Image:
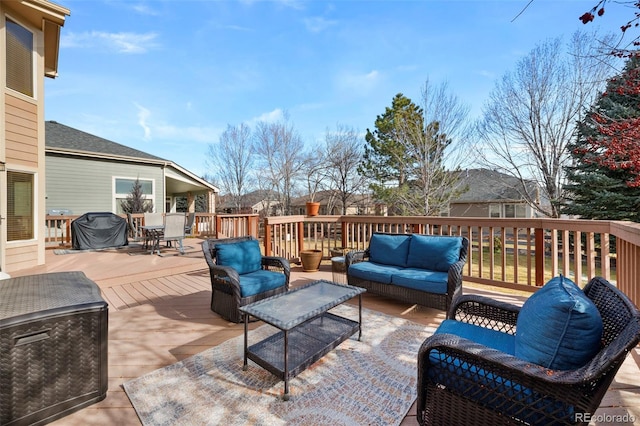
{"x":389,"y":249}
{"x":421,"y":279}
{"x":260,"y":281}
{"x":433,"y":252}
{"x":372,"y":271}
{"x":494,"y":339}
{"x":244,"y":256}
{"x":558,"y":327}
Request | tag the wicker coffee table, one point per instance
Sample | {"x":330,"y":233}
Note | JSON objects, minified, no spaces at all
{"x":307,"y":330}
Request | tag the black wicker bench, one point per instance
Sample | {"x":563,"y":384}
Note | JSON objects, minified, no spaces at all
{"x":420,"y":269}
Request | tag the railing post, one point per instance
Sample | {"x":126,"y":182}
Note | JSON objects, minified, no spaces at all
{"x":539,"y":256}
{"x":300,"y":236}
{"x":253,"y":226}
{"x":343,"y":237}
{"x":267,"y":237}
{"x":218,"y":221}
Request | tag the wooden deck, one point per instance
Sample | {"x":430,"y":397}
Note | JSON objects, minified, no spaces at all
{"x":159,"y":314}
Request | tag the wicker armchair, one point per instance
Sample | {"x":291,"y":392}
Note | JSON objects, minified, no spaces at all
{"x":226,"y":292}
{"x":474,"y":384}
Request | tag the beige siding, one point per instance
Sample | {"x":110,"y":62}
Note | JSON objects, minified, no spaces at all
{"x":469,"y":210}
{"x":22,"y":257}
{"x":21,"y":132}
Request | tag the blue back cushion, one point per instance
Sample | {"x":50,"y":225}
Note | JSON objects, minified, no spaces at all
{"x":434,"y":252}
{"x":558,"y":327}
{"x":389,"y":249}
{"x":244,"y":256}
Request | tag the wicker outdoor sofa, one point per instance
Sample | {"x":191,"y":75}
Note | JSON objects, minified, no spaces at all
{"x":241,"y":275}
{"x":413,"y":268}
{"x":472,"y":372}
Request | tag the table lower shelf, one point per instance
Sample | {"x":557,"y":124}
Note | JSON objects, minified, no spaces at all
{"x":307,"y":343}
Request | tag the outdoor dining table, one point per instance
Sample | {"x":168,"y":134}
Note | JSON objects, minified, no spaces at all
{"x":154,"y":232}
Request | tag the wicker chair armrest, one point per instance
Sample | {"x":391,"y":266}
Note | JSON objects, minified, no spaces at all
{"x":562,"y":385}
{"x":226,"y":276}
{"x":485,"y":312}
{"x":355,"y":256}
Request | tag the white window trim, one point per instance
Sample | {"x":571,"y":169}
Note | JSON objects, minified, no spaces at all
{"x":36,"y":209}
{"x":115,"y":195}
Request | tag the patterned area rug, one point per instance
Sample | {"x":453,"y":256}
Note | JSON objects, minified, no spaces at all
{"x":367,"y":382}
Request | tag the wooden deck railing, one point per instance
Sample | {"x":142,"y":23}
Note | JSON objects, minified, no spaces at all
{"x":58,"y":227}
{"x":520,"y":254}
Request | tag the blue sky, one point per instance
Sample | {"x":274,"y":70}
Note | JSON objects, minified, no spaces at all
{"x":168,"y":76}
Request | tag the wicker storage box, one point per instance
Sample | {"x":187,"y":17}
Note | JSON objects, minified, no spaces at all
{"x":53,"y":347}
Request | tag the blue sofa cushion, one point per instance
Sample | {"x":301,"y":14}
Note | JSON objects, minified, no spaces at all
{"x":244,"y":256}
{"x":558,"y":327}
{"x":260,"y":281}
{"x":433,"y":252}
{"x":389,"y":249}
{"x":504,"y":342}
{"x":373,"y":271}
{"x":421,"y":279}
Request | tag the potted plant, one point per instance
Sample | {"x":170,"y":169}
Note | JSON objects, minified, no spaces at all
{"x":311,"y":260}
{"x":315,"y":176}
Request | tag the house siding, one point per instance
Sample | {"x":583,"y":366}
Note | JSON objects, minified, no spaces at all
{"x":22,"y":153}
{"x":82,"y":185}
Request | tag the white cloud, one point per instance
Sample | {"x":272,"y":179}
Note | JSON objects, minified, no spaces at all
{"x":143,"y":116}
{"x":269,"y":117}
{"x":119,"y":42}
{"x":318,"y":24}
{"x":359,"y":83}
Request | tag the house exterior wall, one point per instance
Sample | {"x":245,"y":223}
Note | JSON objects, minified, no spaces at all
{"x":469,"y":210}
{"x":87,"y":185}
{"x":22,"y":146}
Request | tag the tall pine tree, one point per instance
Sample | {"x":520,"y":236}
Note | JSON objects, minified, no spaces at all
{"x":603,"y":181}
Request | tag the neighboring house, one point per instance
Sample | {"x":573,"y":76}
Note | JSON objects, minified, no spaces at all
{"x":255,"y":202}
{"x":493,"y":194}
{"x":29,"y":40}
{"x":331,"y":204}
{"x":86,"y":173}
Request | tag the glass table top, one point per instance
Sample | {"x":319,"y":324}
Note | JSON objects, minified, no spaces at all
{"x":287,"y":310}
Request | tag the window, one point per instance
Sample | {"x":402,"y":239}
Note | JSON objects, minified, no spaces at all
{"x":515,"y":210}
{"x":20,"y":214}
{"x":495,"y":210}
{"x":19,"y":58}
{"x":123,"y":188}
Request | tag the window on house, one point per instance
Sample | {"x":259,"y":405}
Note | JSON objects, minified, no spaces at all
{"x":123,"y":187}
{"x":515,"y":210}
{"x":20,"y":214}
{"x":495,"y":210}
{"x":19,"y":62}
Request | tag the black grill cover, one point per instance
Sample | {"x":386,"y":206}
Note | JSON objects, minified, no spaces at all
{"x":98,"y":230}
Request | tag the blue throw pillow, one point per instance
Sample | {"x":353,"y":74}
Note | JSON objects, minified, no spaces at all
{"x":244,"y":257}
{"x":389,"y":249}
{"x":433,"y":252}
{"x":558,"y":327}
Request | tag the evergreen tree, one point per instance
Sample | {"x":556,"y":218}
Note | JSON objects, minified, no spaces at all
{"x":603,"y":181}
{"x":404,"y":159}
{"x":136,"y":201}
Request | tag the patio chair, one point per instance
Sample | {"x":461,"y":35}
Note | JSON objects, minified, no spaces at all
{"x":134,"y":232}
{"x":549,"y":362}
{"x":152,"y":219}
{"x":173,"y":229}
{"x":188,"y":227}
{"x":241,"y":275}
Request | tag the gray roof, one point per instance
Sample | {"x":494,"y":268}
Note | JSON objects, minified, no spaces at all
{"x":490,"y":185}
{"x":67,"y":138}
